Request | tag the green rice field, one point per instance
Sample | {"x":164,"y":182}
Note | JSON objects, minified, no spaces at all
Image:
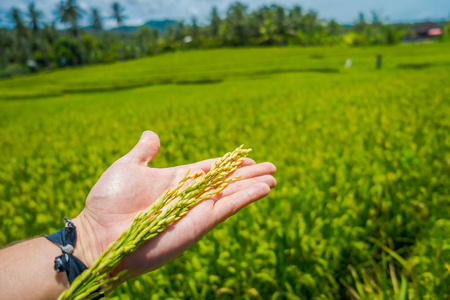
{"x":362,"y":205}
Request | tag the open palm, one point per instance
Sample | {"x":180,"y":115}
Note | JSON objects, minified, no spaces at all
{"x":130,"y":186}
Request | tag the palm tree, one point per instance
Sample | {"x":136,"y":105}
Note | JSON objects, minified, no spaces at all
{"x":194,"y":29}
{"x":361,"y":25}
{"x":215,"y":23}
{"x":257,"y":23}
{"x":311,"y":23}
{"x":179,"y":31}
{"x":295,"y":18}
{"x":334,"y":28}
{"x":50,"y":33}
{"x":6,"y":41}
{"x":96,"y":20}
{"x":16,"y":17}
{"x":376,"y":20}
{"x":34,"y":16}
{"x":236,"y":21}
{"x":119,"y":17}
{"x":70,"y":12}
{"x":21,"y":35}
{"x":279,"y":21}
{"x":37,"y":43}
{"x":146,"y":40}
{"x":117,"y":13}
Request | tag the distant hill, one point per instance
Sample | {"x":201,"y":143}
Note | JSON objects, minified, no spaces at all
{"x":159,"y":25}
{"x":125,"y":29}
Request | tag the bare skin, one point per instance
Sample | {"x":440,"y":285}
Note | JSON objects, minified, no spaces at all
{"x":125,"y":188}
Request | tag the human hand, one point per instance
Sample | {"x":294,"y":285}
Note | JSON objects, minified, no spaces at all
{"x":130,"y":186}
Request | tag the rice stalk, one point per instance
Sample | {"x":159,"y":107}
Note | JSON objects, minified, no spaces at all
{"x":170,"y":207}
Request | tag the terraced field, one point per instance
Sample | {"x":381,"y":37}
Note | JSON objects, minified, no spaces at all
{"x":361,"y":206}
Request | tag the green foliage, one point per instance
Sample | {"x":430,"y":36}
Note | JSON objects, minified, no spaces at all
{"x":146,"y":40}
{"x":446,"y":32}
{"x":266,"y":26}
{"x":360,"y":209}
{"x":12,"y":70}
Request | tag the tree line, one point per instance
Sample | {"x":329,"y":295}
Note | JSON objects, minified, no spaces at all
{"x":34,"y":45}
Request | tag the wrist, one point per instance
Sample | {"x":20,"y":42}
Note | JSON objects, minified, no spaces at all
{"x":85,"y":248}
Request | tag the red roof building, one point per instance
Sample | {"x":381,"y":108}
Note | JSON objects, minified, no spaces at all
{"x":428,"y":30}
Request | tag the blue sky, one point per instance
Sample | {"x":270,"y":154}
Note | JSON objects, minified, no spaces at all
{"x":344,"y":11}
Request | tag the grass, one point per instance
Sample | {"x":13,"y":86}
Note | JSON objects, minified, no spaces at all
{"x":362,"y":158}
{"x":213,"y":66}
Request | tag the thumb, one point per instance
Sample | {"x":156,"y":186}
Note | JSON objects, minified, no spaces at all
{"x":146,"y":149}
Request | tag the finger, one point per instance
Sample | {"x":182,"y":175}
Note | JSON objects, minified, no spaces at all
{"x":246,"y":183}
{"x":146,"y":149}
{"x":228,"y":206}
{"x":205,"y":165}
{"x":255,"y":170}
